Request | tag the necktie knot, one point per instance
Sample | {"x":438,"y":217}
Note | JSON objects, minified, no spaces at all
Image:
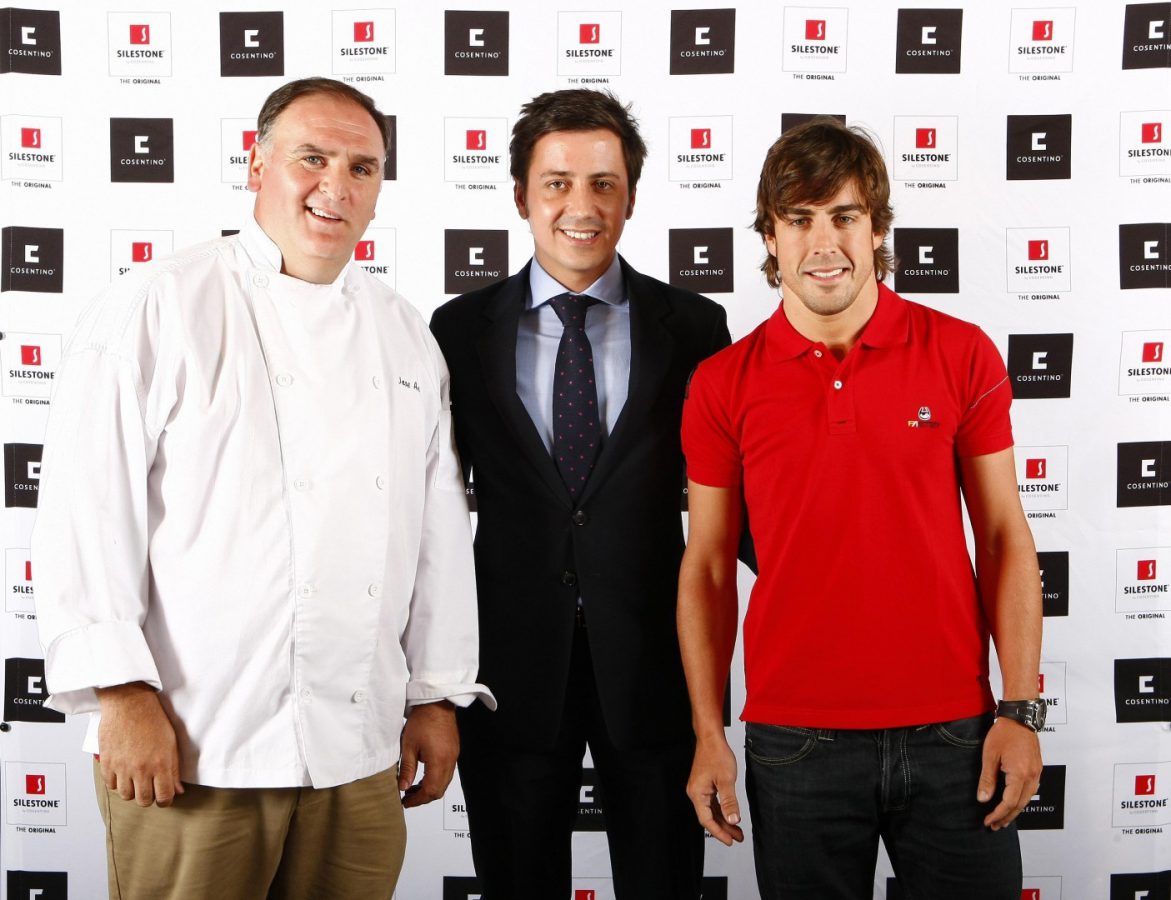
{"x":571,"y":309}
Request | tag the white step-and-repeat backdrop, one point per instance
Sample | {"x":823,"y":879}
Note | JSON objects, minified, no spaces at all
{"x":1032,"y":186}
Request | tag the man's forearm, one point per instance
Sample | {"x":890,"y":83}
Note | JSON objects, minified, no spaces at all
{"x":1010,"y":586}
{"x":707,"y":620}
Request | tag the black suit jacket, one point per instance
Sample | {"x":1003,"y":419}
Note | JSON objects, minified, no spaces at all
{"x":619,"y":546}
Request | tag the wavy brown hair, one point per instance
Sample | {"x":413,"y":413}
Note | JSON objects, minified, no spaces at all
{"x":809,"y":164}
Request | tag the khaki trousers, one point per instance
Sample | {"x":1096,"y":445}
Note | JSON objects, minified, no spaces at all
{"x":257,"y":843}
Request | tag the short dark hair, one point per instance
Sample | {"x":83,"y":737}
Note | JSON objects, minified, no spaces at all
{"x":810,"y":163}
{"x":575,"y":109}
{"x":279,"y":100}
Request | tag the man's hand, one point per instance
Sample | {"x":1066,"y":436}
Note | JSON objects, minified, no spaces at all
{"x":138,"y":752}
{"x":430,"y":737}
{"x":1013,"y":749}
{"x":712,"y":789}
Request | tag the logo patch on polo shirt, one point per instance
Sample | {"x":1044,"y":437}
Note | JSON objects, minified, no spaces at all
{"x":922,"y":419}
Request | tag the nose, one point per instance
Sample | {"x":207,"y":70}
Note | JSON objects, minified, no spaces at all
{"x":823,"y":234}
{"x":332,"y":184}
{"x":580,"y":200}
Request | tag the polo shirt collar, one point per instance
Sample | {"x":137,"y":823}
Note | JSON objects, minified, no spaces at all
{"x":888,"y":326}
{"x":890,"y":323}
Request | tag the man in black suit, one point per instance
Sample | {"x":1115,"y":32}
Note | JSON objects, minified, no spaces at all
{"x":567,"y":391}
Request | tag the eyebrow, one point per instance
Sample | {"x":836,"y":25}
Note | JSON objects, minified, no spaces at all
{"x":313,"y":148}
{"x":833,"y":210}
{"x":563,"y":173}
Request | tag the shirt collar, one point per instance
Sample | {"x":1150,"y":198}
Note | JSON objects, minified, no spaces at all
{"x":889,"y":325}
{"x":265,"y":254}
{"x":609,"y":288}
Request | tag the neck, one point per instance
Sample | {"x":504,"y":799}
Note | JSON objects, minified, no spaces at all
{"x":314,"y":274}
{"x":837,"y":331}
{"x":315,"y":270}
{"x":571,"y":279}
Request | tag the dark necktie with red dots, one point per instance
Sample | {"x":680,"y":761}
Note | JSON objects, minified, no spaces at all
{"x":577,"y":434}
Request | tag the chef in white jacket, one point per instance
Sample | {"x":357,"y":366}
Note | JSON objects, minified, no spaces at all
{"x":252,"y":545}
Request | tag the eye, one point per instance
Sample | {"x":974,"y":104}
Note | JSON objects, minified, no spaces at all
{"x":603,"y":185}
{"x":312,"y":160}
{"x":799,"y":222}
{"x":362,"y":169}
{"x":556,"y":185}
{"x":845,"y":220}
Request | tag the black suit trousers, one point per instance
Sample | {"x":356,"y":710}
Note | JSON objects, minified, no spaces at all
{"x":523,"y":806}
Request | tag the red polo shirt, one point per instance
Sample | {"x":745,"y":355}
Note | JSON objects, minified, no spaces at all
{"x":865,"y":612}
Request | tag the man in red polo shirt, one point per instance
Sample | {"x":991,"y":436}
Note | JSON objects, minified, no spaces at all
{"x":850,"y":422}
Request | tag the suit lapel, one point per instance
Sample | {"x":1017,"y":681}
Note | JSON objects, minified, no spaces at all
{"x":497,"y":348}
{"x":651,"y":349}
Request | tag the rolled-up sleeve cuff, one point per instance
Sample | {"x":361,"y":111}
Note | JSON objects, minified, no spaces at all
{"x":460,"y":693}
{"x":100,"y":655}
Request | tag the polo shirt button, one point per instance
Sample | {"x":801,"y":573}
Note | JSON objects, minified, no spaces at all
{"x":569,"y":579}
{"x":301,"y":484}
{"x":580,"y":517}
{"x":358,"y":696}
{"x":261,"y":281}
{"x":374,"y":590}
{"x":837,"y":385}
{"x":306,"y":589}
{"x":817,"y":353}
{"x":306,"y":696}
{"x":284,"y":379}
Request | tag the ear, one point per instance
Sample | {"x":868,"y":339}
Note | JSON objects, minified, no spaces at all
{"x":879,"y":237}
{"x":255,"y":167}
{"x":770,"y":241}
{"x":518,"y":197}
{"x":630,"y":203}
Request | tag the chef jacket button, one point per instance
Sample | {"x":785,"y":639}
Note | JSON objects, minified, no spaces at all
{"x":374,"y":590}
{"x":580,"y":517}
{"x":284,"y":379}
{"x":568,"y":578}
{"x":306,"y":696}
{"x":261,"y":281}
{"x":377,"y":382}
{"x":359,"y":696}
{"x":306,"y":589}
{"x":380,"y":482}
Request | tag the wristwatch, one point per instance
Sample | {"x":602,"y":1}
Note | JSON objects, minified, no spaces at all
{"x":1030,"y":713}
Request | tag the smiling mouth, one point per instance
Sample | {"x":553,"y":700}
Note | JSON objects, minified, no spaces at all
{"x":323,"y":214}
{"x":579,"y":235}
{"x":825,"y":274}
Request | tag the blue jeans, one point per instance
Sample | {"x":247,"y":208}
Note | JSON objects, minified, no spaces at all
{"x":822,"y":798}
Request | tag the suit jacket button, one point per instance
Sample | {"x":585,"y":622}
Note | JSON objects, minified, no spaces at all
{"x":580,"y":517}
{"x":569,"y":579}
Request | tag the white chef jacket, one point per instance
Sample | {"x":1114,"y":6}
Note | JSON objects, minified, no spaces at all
{"x":251,"y":501}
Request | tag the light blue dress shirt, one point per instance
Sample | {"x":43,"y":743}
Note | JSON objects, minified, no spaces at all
{"x":539,"y":332}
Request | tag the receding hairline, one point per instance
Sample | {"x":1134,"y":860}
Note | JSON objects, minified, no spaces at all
{"x":359,"y":121}
{"x":285,"y":96}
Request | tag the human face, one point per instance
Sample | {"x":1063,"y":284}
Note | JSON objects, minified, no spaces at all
{"x":576,"y":198}
{"x":825,"y":254}
{"x":316,"y":181}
